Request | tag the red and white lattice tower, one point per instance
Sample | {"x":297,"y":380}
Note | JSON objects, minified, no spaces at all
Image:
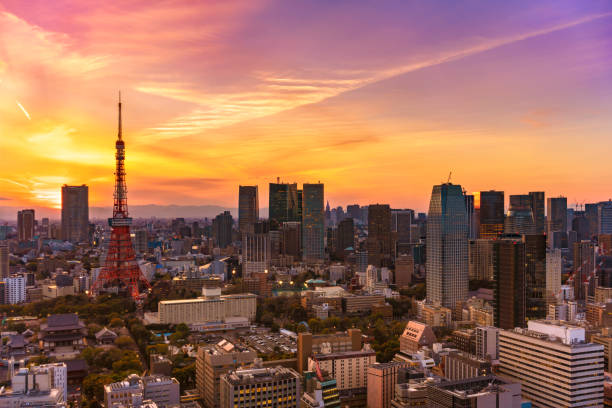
{"x":120,"y":269}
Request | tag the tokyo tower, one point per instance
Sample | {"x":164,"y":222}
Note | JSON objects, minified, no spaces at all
{"x":120,"y":271}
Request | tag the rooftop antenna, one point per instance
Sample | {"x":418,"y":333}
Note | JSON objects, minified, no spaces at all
{"x":449,"y":177}
{"x":120,"y":127}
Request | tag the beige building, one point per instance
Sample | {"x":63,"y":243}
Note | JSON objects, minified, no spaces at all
{"x":163,"y":391}
{"x":51,"y":290}
{"x":436,"y":316}
{"x":357,"y":304}
{"x":309,"y":344}
{"x":259,"y":387}
{"x":212,"y":307}
{"x":556,"y":367}
{"x":382,"y":379}
{"x":214,"y":361}
{"x":349,"y":368}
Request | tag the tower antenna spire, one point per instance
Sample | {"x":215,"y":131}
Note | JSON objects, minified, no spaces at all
{"x":120,"y":125}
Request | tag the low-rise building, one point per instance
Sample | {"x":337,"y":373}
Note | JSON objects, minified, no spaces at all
{"x":134,"y":390}
{"x":415,"y":336}
{"x":349,"y":368}
{"x":212,"y":307}
{"x":481,"y":392}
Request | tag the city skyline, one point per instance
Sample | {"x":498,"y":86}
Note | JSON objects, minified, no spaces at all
{"x":216,"y":101}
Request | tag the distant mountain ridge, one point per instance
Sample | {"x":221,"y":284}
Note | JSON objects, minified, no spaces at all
{"x":136,"y":211}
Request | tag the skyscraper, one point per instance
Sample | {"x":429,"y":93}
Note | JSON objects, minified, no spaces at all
{"x":75,"y":213}
{"x":25,"y":225}
{"x":520,"y":216}
{"x":584,"y":265}
{"x":447,"y":246}
{"x":491,"y":214}
{"x":556,"y":218}
{"x":379,"y":235}
{"x":248,"y":207}
{"x":4,"y":261}
{"x":313,"y":223}
{"x":537,"y":209}
{"x":535,"y":277}
{"x":510,"y":293}
{"x":222,"y":229}
{"x":284,"y":203}
{"x":604,"y":217}
{"x":345,"y":237}
{"x":256,"y":249}
{"x":471,"y":214}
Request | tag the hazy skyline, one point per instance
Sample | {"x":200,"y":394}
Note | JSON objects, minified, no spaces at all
{"x":379,"y":103}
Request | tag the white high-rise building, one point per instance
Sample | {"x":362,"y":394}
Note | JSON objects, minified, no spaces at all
{"x":447,"y":246}
{"x":487,"y":342}
{"x":15,"y":287}
{"x":556,"y":367}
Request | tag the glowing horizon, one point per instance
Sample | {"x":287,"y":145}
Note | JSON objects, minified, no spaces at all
{"x":378,"y":101}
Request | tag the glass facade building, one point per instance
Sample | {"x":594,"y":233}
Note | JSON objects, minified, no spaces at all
{"x":447,"y":246}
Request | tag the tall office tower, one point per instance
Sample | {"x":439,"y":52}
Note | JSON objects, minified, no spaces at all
{"x":284,"y":203}
{"x":569,"y":218}
{"x":256,"y":249}
{"x":584,"y":267}
{"x":313,"y":223}
{"x":404,"y":269}
{"x":379,"y":235}
{"x":537,"y":209}
{"x":520,"y":201}
{"x":580,"y":225}
{"x":591,"y":212}
{"x":481,"y":259}
{"x":248,"y":208}
{"x":44,"y":228}
{"x":556,"y":218}
{"x":520,"y":217}
{"x":345,"y":237}
{"x":354,"y":211}
{"x":447,"y":246}
{"x":260,"y":387}
{"x":222,"y":229}
{"x":4,"y":261}
{"x":604,"y":217}
{"x":471,"y":214}
{"x":491,"y":214}
{"x":401,"y":221}
{"x":291,"y":239}
{"x":535,"y":278}
{"x":75,"y":213}
{"x":556,"y":367}
{"x":25,"y":225}
{"x":510,"y":283}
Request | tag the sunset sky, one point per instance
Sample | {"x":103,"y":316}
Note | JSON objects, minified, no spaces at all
{"x":379,"y":100}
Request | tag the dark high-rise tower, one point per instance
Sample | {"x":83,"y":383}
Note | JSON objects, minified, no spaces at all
{"x":248,"y":208}
{"x":25,"y":225}
{"x":510,"y":291}
{"x":120,"y":270}
{"x":75,"y":213}
{"x":379,"y":235}
{"x":556,"y":218}
{"x":284,"y":203}
{"x":491,"y":214}
{"x":313,"y":223}
{"x":537,"y":209}
{"x":535,"y":276}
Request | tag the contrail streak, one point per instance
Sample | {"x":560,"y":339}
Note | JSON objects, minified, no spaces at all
{"x":25,"y":112}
